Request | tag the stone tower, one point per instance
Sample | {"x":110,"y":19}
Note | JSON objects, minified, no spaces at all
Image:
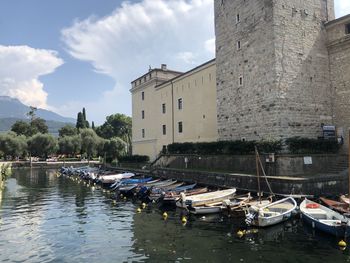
{"x":272,"y":68}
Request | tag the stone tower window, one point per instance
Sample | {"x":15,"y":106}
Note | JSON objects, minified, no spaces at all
{"x":164,"y":129}
{"x":347,"y":28}
{"x":238,"y":45}
{"x":180,"y":126}
{"x":179,"y":104}
{"x":143,"y":133}
{"x":143,"y":95}
{"x":238,"y":18}
{"x":143,"y":114}
{"x":240,"y":82}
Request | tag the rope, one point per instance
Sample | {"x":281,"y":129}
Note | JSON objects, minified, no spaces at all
{"x":267,"y":182}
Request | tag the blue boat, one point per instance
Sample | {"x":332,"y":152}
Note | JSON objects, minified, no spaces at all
{"x":130,"y":181}
{"x":324,"y":219}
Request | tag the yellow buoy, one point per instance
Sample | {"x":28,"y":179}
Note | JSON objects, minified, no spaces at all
{"x":342,"y":243}
{"x":114,"y":202}
{"x":184,"y":220}
{"x":165,"y":215}
{"x":124,"y":197}
{"x":143,"y":205}
{"x":240,"y":233}
{"x":138,"y":210}
{"x":121,"y":195}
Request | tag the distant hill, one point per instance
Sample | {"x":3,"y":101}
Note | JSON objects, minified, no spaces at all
{"x":13,"y":108}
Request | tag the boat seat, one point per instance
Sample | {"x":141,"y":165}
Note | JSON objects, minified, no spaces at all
{"x":316,"y":213}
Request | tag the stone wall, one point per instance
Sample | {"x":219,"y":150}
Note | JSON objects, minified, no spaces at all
{"x":339,"y":57}
{"x":283,"y":62}
{"x":284,"y":165}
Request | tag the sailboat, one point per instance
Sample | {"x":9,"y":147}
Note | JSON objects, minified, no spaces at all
{"x":263,"y":215}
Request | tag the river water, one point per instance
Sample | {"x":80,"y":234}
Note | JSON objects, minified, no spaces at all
{"x":46,"y":218}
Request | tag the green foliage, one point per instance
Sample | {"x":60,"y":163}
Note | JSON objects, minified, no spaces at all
{"x":91,"y":144}
{"x":114,"y":148}
{"x":12,"y":145}
{"x":298,"y":145}
{"x":67,"y":130}
{"x":21,"y":128}
{"x":224,"y":147}
{"x":69,"y":145}
{"x":80,"y":121}
{"x":116,"y":125}
{"x":38,"y":125}
{"x":134,"y":159}
{"x":42,"y":145}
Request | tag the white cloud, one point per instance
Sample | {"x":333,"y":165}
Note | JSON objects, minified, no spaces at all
{"x":342,"y":7}
{"x":136,"y":35}
{"x":20,"y":68}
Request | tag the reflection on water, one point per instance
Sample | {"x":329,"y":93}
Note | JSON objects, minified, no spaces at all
{"x":45,"y":218}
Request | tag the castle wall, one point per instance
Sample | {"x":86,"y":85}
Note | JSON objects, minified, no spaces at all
{"x":284,"y":63}
{"x":339,"y":57}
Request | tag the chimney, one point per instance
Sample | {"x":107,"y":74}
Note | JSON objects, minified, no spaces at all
{"x":163,"y":67}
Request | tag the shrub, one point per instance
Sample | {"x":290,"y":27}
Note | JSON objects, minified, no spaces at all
{"x":305,"y":145}
{"x":134,"y":159}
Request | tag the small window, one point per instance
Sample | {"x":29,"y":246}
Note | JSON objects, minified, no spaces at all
{"x":240,"y":81}
{"x":347,"y":29}
{"x":238,"y":19}
{"x":143,"y":133}
{"x":143,"y":114}
{"x":143,"y":95}
{"x":238,"y":45}
{"x":144,"y":79}
{"x":179,"y":104}
{"x":164,"y":129}
{"x":180,"y":126}
{"x":209,"y":76}
{"x":163,"y":108}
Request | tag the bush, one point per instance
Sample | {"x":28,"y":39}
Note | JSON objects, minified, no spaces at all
{"x":224,"y":147}
{"x":299,"y":145}
{"x":134,"y":159}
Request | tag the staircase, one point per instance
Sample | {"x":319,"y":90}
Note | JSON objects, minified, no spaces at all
{"x":339,"y":167}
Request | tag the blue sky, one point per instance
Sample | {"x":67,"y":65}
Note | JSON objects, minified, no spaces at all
{"x":67,"y":54}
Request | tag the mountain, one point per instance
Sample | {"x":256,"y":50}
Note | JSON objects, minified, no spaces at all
{"x":13,"y":108}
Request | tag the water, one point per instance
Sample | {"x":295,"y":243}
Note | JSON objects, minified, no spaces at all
{"x":45,"y":218}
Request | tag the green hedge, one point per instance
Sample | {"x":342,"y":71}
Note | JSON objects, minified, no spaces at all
{"x":304,"y":145}
{"x":225,"y":147}
{"x":134,"y":159}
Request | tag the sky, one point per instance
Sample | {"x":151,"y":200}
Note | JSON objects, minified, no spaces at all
{"x":64,"y":55}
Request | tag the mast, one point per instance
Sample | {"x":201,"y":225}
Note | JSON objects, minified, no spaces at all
{"x":349,"y":167}
{"x":257,"y":172}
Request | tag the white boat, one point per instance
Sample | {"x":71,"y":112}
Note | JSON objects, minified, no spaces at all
{"x":271,"y":214}
{"x":111,"y":178}
{"x":323,"y":218}
{"x":206,"y":198}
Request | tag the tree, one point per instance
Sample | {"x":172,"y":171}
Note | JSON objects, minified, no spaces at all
{"x":32,"y":113}
{"x":86,"y":123}
{"x":67,"y":130}
{"x":114,"y":148}
{"x":117,"y":125}
{"x":38,"y":125}
{"x":42,"y":145}
{"x":21,"y":128}
{"x":13,"y":145}
{"x":92,"y":125}
{"x":89,"y":142}
{"x":69,"y":145}
{"x":80,"y":121}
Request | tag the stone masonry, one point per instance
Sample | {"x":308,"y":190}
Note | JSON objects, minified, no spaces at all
{"x":273,"y":73}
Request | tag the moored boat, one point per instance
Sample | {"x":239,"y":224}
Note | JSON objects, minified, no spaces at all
{"x":340,"y":207}
{"x":323,"y":218}
{"x":205,"y":198}
{"x":271,"y":214}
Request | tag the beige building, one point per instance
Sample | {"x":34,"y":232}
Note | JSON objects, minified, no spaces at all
{"x":169,"y":107}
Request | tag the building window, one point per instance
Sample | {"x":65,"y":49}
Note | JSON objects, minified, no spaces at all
{"x":164,"y":129}
{"x":347,"y":29}
{"x":180,"y":126}
{"x":143,"y":95}
{"x":209,"y":76}
{"x":238,"y":45}
{"x":163,"y":108}
{"x":240,"y":81}
{"x":179,"y":104}
{"x":143,"y":133}
{"x":143,"y":114}
{"x":238,"y":19}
